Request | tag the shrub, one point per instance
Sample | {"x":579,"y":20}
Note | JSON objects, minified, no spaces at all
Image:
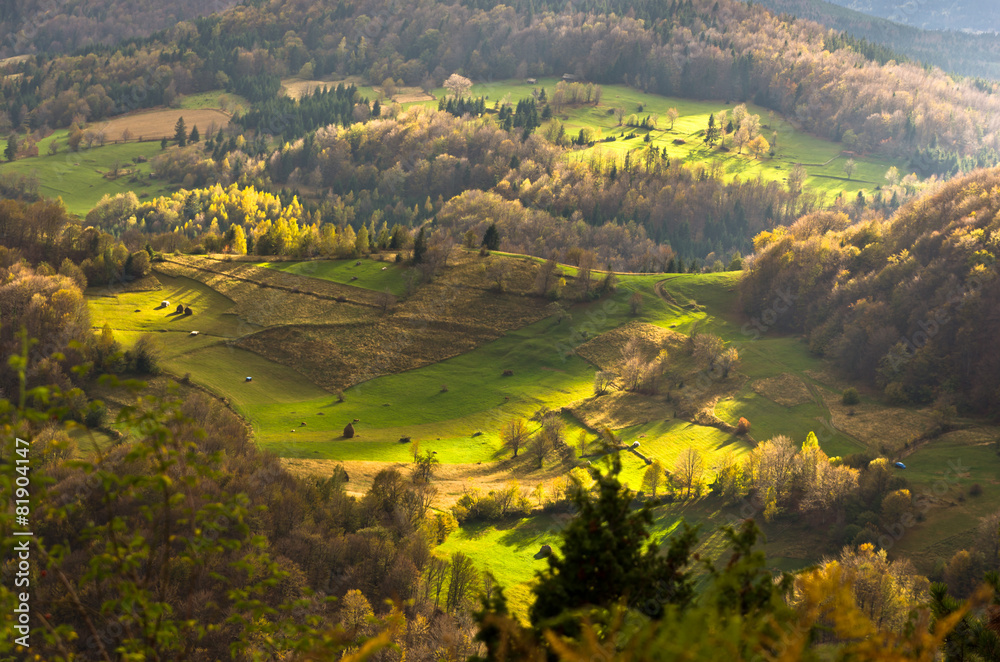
{"x":96,"y":415}
{"x":476,"y":506}
{"x":144,"y":357}
{"x":742,"y":426}
{"x":442,"y":526}
{"x":850,"y":396}
{"x":851,"y":532}
{"x":976,"y":490}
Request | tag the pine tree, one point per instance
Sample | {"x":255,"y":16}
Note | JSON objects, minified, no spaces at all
{"x":606,"y":555}
{"x":419,"y":247}
{"x":712,"y":133}
{"x":10,"y":152}
{"x":180,"y":132}
{"x":195,"y":136}
{"x":491,"y":239}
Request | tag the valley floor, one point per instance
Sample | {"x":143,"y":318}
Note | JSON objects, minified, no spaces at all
{"x":323,"y":351}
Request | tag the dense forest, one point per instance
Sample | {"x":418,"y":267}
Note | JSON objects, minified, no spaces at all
{"x":910,"y":304}
{"x":30,"y":26}
{"x":725,"y":50}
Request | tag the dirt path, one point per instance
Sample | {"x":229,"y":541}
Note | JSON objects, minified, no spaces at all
{"x":663,"y":294}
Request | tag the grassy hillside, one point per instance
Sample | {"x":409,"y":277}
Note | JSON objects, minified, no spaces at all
{"x":823,"y":160}
{"x":456,"y":407}
{"x":79,"y":178}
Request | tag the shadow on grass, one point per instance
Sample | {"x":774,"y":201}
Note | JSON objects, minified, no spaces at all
{"x":527,"y":533}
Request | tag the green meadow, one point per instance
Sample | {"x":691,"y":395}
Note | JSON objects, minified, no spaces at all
{"x":456,"y":407}
{"x":370,"y":274}
{"x":79,"y":177}
{"x":823,"y":159}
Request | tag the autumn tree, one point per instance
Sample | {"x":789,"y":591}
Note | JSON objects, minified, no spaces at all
{"x":498,"y":272}
{"x":988,"y":540}
{"x":356,"y":614}
{"x":672,"y":115}
{"x":584,"y":273}
{"x":652,"y":478}
{"x":740,"y":138}
{"x":728,"y":360}
{"x":731,"y":481}
{"x":458,"y":85}
{"x":689,"y":470}
{"x":708,"y":349}
{"x":796,"y":180}
{"x":463,"y":576}
{"x":885,"y":590}
{"x":423,"y":466}
{"x":514,"y":435}
{"x":635,"y":303}
{"x":385,"y":300}
{"x":547,"y":274}
{"x":603,"y":381}
{"x":849,"y":167}
{"x":759,"y":146}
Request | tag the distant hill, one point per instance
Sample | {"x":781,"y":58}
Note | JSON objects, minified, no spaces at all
{"x":974,"y":15}
{"x":33,"y":26}
{"x":954,"y":51}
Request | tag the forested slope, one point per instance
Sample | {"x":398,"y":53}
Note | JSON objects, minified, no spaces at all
{"x":968,"y":54}
{"x":702,"y":49}
{"x":31,"y":26}
{"x":911,"y":305}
